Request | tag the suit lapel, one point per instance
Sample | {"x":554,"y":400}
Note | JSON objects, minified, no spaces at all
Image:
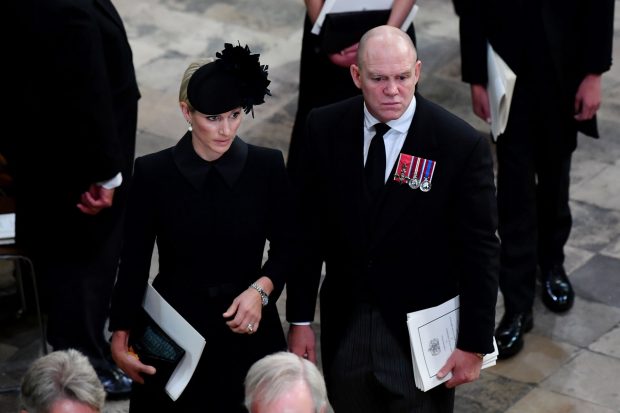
{"x":348,"y":139}
{"x":397,"y":199}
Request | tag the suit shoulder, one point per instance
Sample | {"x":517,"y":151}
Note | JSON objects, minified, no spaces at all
{"x":336,"y":111}
{"x":265,"y":154}
{"x":449,"y":125}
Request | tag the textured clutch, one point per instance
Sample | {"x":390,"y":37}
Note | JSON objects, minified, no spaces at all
{"x":155,"y":348}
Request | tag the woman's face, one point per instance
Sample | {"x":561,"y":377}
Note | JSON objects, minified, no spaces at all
{"x":212,"y":135}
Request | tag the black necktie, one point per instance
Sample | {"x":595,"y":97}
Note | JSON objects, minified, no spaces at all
{"x":375,"y":162}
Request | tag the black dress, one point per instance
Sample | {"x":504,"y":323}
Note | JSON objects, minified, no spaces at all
{"x":210,"y":221}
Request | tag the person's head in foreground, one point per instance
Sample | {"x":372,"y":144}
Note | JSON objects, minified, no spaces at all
{"x":61,"y":382}
{"x":285,"y":383}
{"x":215,"y":93}
{"x":387,"y":71}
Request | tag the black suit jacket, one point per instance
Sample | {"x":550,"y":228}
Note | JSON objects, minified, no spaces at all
{"x":81,"y":95}
{"x":577,"y":34}
{"x":415,"y":250}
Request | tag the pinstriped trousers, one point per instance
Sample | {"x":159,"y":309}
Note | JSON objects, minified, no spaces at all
{"x":371,"y":373}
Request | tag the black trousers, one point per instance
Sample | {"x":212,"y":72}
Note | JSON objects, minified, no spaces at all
{"x":534,"y":157}
{"x":371,"y":373}
{"x":76,"y":291}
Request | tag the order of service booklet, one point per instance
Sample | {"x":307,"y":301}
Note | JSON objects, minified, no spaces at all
{"x":433,"y":334}
{"x":501,"y":84}
{"x":182,"y":332}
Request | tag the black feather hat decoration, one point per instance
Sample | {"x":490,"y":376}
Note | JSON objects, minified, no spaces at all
{"x":235,"y":79}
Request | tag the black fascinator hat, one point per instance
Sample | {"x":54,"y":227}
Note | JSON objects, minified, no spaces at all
{"x":236,"y":78}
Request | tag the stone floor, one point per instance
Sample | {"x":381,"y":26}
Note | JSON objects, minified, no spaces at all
{"x":570,"y":362}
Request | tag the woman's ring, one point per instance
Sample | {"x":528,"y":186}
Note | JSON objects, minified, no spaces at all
{"x":250,"y":328}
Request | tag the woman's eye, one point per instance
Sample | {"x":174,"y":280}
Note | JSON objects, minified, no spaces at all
{"x":212,"y":118}
{"x":235,"y":115}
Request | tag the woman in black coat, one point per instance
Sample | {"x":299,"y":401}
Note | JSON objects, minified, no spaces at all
{"x":210,"y":203}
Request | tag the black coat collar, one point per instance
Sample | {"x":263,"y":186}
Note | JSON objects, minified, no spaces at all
{"x":195,"y":169}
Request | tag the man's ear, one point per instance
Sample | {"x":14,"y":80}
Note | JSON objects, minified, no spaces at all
{"x":356,"y":75}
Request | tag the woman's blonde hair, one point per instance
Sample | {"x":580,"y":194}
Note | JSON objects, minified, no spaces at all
{"x":191,"y":69}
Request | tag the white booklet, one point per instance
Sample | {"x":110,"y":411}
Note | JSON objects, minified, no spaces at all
{"x":501,"y":84}
{"x":433,"y":334}
{"x":186,"y":336}
{"x":341,"y":6}
{"x":7,"y":228}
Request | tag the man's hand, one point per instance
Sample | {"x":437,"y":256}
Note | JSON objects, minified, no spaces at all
{"x":95,"y":199}
{"x":588,"y":97}
{"x":345,"y":57}
{"x":302,"y":342}
{"x":480,"y":102}
{"x":465,"y":367}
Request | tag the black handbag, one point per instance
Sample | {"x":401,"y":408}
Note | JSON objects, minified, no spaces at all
{"x":341,"y":30}
{"x":155,"y":348}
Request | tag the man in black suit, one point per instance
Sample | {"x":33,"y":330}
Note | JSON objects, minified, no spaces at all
{"x":558,"y":50}
{"x":391,"y":245}
{"x":73,"y":164}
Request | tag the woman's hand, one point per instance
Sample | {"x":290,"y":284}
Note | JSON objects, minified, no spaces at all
{"x":126,"y":361}
{"x":247,"y":310}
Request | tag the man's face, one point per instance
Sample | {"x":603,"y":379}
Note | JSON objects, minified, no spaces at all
{"x":387,"y":77}
{"x":296,"y":400}
{"x":71,"y":406}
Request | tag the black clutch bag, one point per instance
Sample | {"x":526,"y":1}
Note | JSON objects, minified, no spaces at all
{"x":341,"y":30}
{"x":155,"y":348}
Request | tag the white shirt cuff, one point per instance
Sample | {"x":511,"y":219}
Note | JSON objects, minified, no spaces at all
{"x":112,"y":183}
{"x":301,"y":323}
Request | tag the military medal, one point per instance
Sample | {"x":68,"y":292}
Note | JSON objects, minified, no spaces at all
{"x":414,"y":181}
{"x":401,"y":174}
{"x":428,"y":170}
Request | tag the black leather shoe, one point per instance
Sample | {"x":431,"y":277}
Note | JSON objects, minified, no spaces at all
{"x":557,"y":292}
{"x":509,"y":333}
{"x":117,"y":384}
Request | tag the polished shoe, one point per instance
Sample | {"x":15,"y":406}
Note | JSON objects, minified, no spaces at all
{"x":117,"y":384}
{"x":510,"y":331}
{"x":557,"y":292}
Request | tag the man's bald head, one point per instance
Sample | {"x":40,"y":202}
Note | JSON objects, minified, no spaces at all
{"x":383,"y":35}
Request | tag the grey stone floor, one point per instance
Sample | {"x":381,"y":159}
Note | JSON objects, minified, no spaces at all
{"x":570,"y":362}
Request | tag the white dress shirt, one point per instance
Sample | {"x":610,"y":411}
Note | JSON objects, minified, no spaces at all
{"x":393,"y":139}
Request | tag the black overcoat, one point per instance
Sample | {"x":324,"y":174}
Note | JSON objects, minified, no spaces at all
{"x":210,"y":222}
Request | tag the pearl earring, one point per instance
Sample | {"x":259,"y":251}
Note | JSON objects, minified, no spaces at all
{"x":189,"y":128}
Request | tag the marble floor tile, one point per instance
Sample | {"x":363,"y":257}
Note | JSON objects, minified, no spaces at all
{"x":543,"y":401}
{"x":159,"y":114}
{"x":582,"y":173}
{"x":575,"y":258}
{"x":608,"y":344}
{"x":598,"y":280}
{"x":613,"y":248}
{"x":593,"y":227}
{"x":489,"y":394}
{"x":437,"y":18}
{"x":601,"y":189}
{"x":589,"y":376}
{"x":581,"y":326}
{"x":540,"y":358}
{"x":149,"y":143}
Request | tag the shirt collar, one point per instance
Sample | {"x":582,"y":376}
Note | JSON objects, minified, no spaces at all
{"x":401,"y":124}
{"x":195,"y":169}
